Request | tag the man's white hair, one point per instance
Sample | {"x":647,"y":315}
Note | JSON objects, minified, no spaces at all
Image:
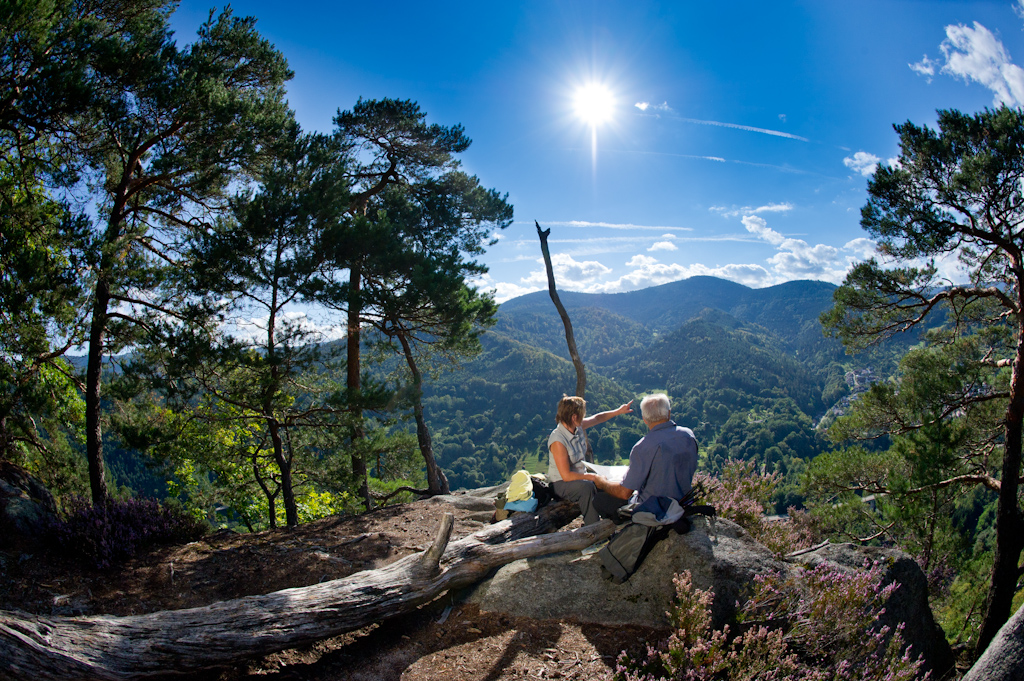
{"x":655,"y":408}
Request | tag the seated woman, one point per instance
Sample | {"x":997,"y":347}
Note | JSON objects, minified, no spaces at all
{"x":567,"y":450}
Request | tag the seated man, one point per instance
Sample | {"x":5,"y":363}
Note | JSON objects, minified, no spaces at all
{"x":567,"y":450}
{"x":663,"y":462}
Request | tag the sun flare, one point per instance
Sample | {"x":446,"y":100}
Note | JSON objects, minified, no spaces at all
{"x":594,"y":103}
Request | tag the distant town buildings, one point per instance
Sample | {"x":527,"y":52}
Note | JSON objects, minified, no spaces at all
{"x":858,"y":380}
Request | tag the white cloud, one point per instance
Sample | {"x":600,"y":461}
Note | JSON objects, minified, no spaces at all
{"x":796,"y":259}
{"x":298,"y":325}
{"x":862,"y":162}
{"x":976,"y":54}
{"x":502,"y":290}
{"x":646,"y":272}
{"x":644,"y":106}
{"x":754,"y":276}
{"x":800,"y":260}
{"x":792,"y":259}
{"x":782,"y":117}
{"x":748,"y":210}
{"x":862,"y":248}
{"x":643,"y":271}
{"x":612,"y":225}
{"x":569,"y":272}
{"x":663,"y":246}
{"x":774,"y":208}
{"x":925,"y":67}
{"x":759,"y":228}
{"x":952,"y":269}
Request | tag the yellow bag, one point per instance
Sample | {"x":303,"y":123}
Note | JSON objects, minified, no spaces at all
{"x":521,"y":487}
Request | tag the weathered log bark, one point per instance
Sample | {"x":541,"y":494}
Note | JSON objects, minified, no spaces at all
{"x":181,"y":642}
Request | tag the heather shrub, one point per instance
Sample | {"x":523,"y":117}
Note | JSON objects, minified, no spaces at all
{"x":695,"y":651}
{"x":102,"y":536}
{"x":827,"y":630}
{"x":742,"y":494}
{"x":798,"y":531}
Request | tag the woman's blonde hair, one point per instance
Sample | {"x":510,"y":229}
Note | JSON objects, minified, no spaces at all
{"x":569,"y":406}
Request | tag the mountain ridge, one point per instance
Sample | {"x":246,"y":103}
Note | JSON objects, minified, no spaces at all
{"x":790,"y":311}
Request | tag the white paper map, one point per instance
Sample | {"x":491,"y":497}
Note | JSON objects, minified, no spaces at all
{"x":614,"y":473}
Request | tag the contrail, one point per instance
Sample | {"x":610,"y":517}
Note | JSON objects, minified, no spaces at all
{"x":748,"y":128}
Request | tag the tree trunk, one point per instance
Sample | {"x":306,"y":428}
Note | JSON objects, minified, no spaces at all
{"x":271,"y":507}
{"x":1009,"y":539}
{"x":581,"y":372}
{"x":187,"y":641}
{"x":570,"y":339}
{"x":5,"y":440}
{"x":93,"y":378}
{"x":437,"y":482}
{"x":282,"y":459}
{"x":284,"y":464}
{"x":352,"y":383}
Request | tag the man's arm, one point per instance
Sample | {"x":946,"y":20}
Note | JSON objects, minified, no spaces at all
{"x":618,"y":491}
{"x":603,"y":416}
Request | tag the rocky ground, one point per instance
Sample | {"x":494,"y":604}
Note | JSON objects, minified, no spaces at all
{"x":442,"y":640}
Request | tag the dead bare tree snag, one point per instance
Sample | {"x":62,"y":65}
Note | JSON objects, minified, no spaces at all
{"x":581,"y":372}
{"x":181,"y":642}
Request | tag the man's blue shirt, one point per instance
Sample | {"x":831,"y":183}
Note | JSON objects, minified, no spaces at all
{"x":662,"y":463}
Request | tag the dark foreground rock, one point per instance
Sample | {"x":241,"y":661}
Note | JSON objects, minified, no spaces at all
{"x":25,"y":504}
{"x":569,"y":585}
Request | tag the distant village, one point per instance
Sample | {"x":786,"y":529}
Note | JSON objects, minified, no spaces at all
{"x":858,"y":380}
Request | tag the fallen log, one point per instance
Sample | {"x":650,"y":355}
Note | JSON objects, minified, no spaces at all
{"x":179,"y":642}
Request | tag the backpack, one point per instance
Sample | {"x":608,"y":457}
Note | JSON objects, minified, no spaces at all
{"x":628,"y":547}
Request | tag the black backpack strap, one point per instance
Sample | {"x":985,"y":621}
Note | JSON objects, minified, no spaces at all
{"x":700,"y":509}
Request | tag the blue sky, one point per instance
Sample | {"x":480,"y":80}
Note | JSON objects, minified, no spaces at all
{"x":739,"y":138}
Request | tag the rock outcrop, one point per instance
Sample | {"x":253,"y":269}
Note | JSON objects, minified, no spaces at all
{"x":569,"y":585}
{"x":1003,"y":660}
{"x":25,"y":503}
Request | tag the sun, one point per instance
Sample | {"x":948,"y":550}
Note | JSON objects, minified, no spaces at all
{"x":594,"y":103}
